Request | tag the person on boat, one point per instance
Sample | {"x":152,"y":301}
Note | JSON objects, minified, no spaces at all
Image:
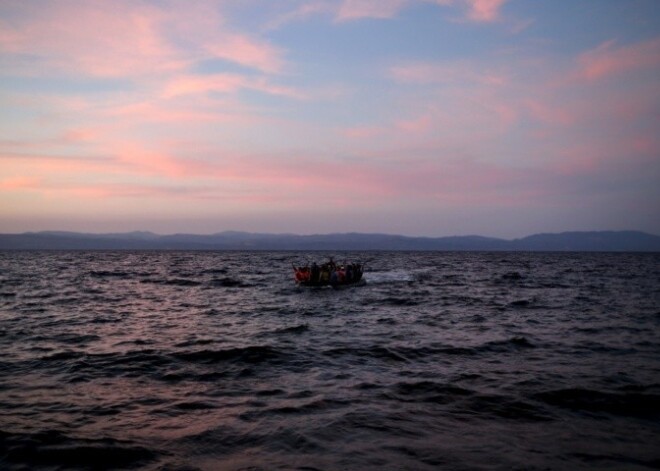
{"x":341,"y":275}
{"x":334,"y":280}
{"x":324,"y":275}
{"x":357,"y":272}
{"x":301,"y":274}
{"x":349,"y":273}
{"x":315,"y":274}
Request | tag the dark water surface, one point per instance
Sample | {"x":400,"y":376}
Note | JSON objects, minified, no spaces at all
{"x":193,"y":360}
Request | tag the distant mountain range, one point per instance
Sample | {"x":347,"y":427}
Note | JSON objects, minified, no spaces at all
{"x":604,"y":241}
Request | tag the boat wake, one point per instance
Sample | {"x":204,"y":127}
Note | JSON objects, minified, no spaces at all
{"x":392,"y":276}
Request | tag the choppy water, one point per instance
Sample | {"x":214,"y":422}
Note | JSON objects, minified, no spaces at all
{"x":189,"y":360}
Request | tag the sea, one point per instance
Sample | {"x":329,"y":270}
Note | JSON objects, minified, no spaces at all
{"x":187,"y":361}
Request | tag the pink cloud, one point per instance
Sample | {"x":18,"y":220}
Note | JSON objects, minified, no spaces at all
{"x":421,"y":73}
{"x":474,"y":115}
{"x":79,"y":135}
{"x":124,"y":38}
{"x":549,"y":112}
{"x":268,"y":180}
{"x":418,"y":125}
{"x":451,"y":103}
{"x":349,"y":10}
{"x":202,"y":27}
{"x":616,"y":156}
{"x":187,"y":84}
{"x":302,"y":12}
{"x":484,"y":10}
{"x":442,"y":180}
{"x":587,"y":107}
{"x":93,"y":38}
{"x":478,"y":10}
{"x":257,"y":175}
{"x":20,"y":183}
{"x":107,"y":177}
{"x":608,"y":60}
{"x":197,"y":115}
{"x":363,"y":132}
{"x":357,"y":9}
{"x":646,"y":145}
{"x":247,"y":51}
{"x":44,"y":174}
{"x":66,"y":138}
{"x":459,"y":72}
{"x":174,"y":112}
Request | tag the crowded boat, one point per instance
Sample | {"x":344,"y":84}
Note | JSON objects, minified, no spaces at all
{"x":328,"y":274}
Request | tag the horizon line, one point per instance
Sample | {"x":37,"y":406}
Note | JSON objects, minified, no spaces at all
{"x":229,"y":231}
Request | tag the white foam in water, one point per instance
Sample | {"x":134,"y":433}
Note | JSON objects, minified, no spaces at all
{"x":389,"y":276}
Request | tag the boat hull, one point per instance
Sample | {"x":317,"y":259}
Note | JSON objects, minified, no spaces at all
{"x":318,"y":284}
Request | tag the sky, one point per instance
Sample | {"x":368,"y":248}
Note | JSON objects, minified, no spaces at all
{"x":418,"y":117}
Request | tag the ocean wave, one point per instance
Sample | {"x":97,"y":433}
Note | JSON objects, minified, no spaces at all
{"x":171,"y":281}
{"x":56,"y":450}
{"x":377,"y":352}
{"x":640,"y":405}
{"x":314,"y":407}
{"x":426,"y":391}
{"x":252,"y":355}
{"x":296,"y":329}
{"x":228,"y":282}
{"x":109,"y":274}
{"x":513,"y":343}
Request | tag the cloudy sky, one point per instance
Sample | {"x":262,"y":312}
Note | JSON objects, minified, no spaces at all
{"x":419,"y":117}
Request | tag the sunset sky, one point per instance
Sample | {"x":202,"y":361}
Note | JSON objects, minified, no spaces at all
{"x":417,"y":117}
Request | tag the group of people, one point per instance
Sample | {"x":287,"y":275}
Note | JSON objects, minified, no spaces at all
{"x":329,"y":273}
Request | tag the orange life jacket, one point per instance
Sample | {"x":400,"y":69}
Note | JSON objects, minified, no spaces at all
{"x":302,"y":275}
